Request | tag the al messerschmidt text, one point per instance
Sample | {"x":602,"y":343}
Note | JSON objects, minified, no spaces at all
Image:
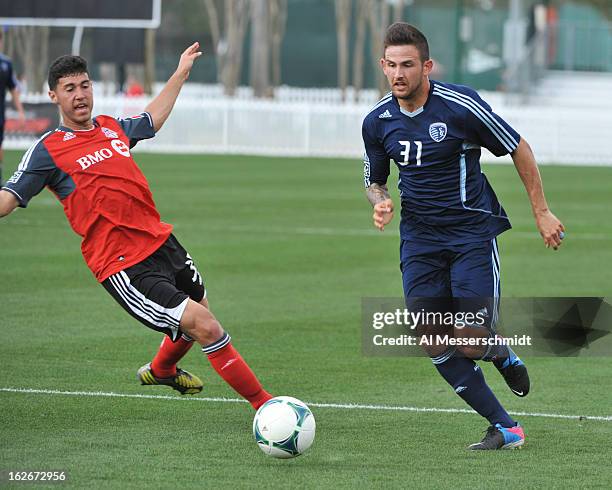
{"x":450,"y":341}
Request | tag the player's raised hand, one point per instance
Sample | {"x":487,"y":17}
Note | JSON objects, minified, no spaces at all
{"x":551,"y":229}
{"x":383,"y":214}
{"x":187,"y":59}
{"x":159,"y":108}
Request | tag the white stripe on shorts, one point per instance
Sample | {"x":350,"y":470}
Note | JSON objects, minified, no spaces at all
{"x":496,"y":282}
{"x":146,"y":309}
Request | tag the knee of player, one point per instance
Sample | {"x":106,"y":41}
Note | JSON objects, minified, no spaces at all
{"x":472,"y":340}
{"x":200,"y":324}
{"x":434,"y":351}
{"x":207,"y":326}
{"x":431,"y":339}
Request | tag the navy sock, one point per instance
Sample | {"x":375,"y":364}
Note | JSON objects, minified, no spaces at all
{"x":466,"y":378}
{"x":497,"y":354}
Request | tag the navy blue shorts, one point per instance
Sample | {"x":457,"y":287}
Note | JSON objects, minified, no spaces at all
{"x":452,"y":277}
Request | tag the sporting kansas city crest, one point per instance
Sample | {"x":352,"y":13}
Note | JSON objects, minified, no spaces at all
{"x":437,"y":131}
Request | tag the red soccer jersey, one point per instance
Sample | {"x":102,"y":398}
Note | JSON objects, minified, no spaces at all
{"x":105,"y":195}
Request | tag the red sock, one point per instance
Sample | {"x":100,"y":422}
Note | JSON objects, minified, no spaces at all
{"x":169,"y":353}
{"x":230,"y":365}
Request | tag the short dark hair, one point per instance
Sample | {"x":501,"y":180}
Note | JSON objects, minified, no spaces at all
{"x":65,"y":66}
{"x":401,"y":33}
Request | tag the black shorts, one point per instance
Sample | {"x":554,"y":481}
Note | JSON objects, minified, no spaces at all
{"x":1,"y":133}
{"x":156,"y":290}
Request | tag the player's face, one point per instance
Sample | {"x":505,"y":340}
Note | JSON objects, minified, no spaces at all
{"x":74,"y":96}
{"x":405,"y":71}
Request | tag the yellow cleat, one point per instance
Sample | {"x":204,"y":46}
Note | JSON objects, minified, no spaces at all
{"x":184,"y":382}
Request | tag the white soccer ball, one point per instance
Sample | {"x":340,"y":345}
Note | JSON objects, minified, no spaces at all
{"x":284,"y":427}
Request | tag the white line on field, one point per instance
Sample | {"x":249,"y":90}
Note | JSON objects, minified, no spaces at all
{"x":345,"y":406}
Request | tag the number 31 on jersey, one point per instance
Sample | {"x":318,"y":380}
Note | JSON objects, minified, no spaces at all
{"x":406,"y":152}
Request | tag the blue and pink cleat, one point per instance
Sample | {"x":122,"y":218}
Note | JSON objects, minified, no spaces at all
{"x":498,"y":437}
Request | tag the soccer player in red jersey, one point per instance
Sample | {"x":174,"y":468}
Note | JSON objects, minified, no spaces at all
{"x":88,"y":165}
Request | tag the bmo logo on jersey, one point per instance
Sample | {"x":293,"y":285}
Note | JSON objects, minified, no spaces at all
{"x":104,"y":154}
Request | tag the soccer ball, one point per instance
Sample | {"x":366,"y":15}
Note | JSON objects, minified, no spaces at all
{"x":284,"y":427}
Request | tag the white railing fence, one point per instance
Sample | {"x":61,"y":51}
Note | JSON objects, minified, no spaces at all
{"x":259,"y":127}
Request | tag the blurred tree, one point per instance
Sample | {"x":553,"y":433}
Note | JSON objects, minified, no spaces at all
{"x":374,"y":14}
{"x":398,"y":10}
{"x":228,"y":39}
{"x":149,"y":60}
{"x":260,"y":52}
{"x":358,"y":55}
{"x":29,"y":45}
{"x":378,"y":21}
{"x":278,"y":21}
{"x":343,"y":21}
{"x":268,"y":20}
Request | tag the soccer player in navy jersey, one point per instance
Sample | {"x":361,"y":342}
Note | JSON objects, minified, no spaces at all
{"x":88,"y":165}
{"x":450,"y":216}
{"x":7,"y":81}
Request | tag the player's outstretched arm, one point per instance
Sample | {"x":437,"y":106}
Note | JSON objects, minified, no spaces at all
{"x":548,"y":224}
{"x":161,"y":106}
{"x":379,"y":197}
{"x":8,"y":203}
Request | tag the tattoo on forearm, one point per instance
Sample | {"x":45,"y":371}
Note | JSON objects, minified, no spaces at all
{"x":377,"y":193}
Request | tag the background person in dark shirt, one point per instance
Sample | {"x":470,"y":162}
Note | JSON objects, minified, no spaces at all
{"x":7,"y":81}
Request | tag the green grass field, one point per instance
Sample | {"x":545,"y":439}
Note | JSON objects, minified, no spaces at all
{"x":288,"y":251}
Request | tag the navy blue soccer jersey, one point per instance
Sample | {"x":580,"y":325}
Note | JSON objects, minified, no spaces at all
{"x":7,"y":81}
{"x":445,"y":197}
